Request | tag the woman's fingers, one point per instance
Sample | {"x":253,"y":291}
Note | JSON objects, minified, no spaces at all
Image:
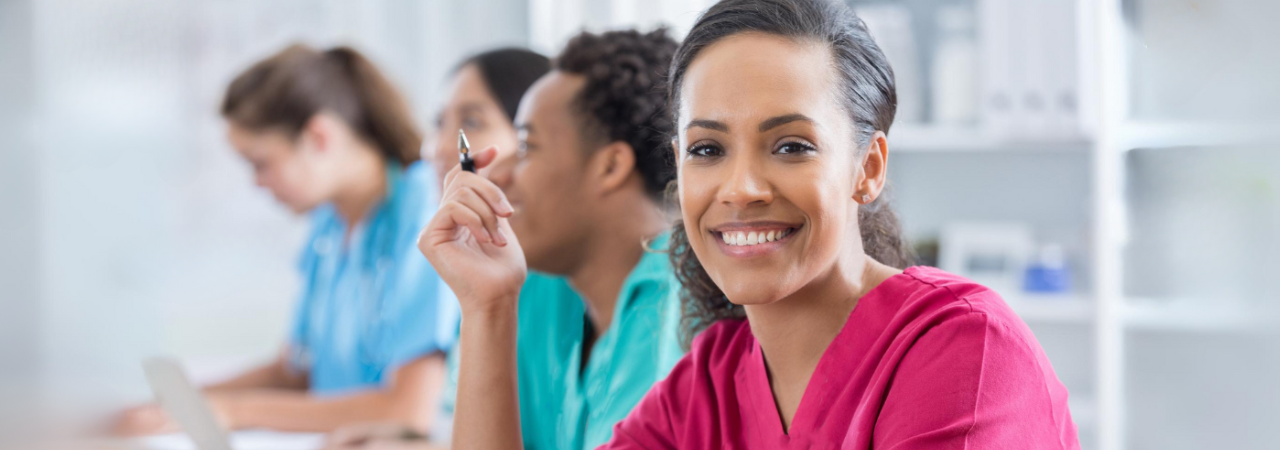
{"x":469,"y":198}
{"x":475,"y":202}
{"x":463,"y":216}
{"x":142,"y":420}
{"x":492,"y":195}
{"x":450,"y":176}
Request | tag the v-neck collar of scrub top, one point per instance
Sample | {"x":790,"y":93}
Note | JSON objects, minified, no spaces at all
{"x":759,"y":407}
{"x":366,"y":229}
{"x":588,"y":385}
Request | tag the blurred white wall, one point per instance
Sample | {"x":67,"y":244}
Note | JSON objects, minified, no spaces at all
{"x":20,"y":211}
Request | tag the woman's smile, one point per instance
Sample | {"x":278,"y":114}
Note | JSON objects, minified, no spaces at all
{"x":753,"y":239}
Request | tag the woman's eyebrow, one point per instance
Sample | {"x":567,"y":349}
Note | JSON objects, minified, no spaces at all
{"x":778,"y":121}
{"x":708,"y":124}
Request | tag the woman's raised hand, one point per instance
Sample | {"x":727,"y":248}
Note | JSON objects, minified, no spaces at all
{"x":470,"y":243}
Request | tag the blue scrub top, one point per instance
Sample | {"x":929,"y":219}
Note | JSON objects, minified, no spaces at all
{"x":375,"y":303}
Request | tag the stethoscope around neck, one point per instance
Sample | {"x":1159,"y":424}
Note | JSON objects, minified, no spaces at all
{"x":380,"y":249}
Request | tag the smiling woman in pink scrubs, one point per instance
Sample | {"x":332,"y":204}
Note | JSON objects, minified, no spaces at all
{"x":813,"y":338}
{"x":809,"y":336}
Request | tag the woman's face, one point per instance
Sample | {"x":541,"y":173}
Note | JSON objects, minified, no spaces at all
{"x":766,"y":166}
{"x":470,"y":106}
{"x":294,"y":170}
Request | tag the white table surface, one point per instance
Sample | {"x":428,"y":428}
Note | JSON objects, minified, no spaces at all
{"x":240,"y":440}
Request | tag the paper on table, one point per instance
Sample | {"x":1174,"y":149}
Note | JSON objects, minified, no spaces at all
{"x":241,"y":440}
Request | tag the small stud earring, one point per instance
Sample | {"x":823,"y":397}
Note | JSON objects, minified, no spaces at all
{"x":866,"y":198}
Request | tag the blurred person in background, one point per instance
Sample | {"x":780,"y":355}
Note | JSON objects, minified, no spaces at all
{"x":329,"y":136}
{"x":481,"y":100}
{"x":586,"y":193}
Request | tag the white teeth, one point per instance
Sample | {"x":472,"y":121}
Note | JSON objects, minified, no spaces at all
{"x":741,"y":238}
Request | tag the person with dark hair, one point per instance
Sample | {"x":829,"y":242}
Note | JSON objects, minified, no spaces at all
{"x":481,"y":100}
{"x":806,"y":330}
{"x":582,"y":204}
{"x":328,"y":135}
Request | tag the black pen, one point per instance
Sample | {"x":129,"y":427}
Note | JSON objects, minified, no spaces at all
{"x":464,"y":153}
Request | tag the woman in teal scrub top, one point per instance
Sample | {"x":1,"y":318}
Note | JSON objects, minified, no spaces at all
{"x":328,"y":135}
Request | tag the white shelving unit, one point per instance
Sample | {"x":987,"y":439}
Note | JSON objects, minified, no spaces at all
{"x":1111,"y":133}
{"x":1101,"y":31}
{"x":1174,"y":134}
{"x":1189,"y":316}
{"x":916,"y":138}
{"x":1117,"y":134}
{"x":1054,"y":309}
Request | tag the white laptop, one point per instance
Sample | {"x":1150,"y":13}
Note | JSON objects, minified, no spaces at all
{"x":185,"y":404}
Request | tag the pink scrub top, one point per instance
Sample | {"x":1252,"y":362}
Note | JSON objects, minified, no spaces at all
{"x":926,"y":360}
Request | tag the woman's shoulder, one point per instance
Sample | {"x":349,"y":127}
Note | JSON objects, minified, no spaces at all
{"x":414,"y":200}
{"x":417,"y":186}
{"x":944,"y":312}
{"x":948,"y":323}
{"x":929,"y":292}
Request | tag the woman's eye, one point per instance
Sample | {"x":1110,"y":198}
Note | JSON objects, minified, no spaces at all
{"x":471,"y":123}
{"x":789,"y":148}
{"x":705,"y":151}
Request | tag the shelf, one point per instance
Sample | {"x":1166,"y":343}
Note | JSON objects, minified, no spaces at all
{"x":1052,"y":308}
{"x":1190,"y":316}
{"x":921,"y":138}
{"x":1140,"y":134}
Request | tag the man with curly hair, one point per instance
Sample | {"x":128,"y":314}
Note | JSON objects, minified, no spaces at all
{"x":598,"y":314}
{"x":587,"y":195}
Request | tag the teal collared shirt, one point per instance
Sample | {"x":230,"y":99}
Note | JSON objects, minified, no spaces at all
{"x":566,"y":406}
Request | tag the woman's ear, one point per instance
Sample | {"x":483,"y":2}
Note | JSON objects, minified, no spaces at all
{"x":875,"y":166}
{"x":319,"y":132}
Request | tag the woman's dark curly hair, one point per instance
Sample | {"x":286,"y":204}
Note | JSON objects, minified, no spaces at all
{"x":867,"y":91}
{"x":625,"y":97}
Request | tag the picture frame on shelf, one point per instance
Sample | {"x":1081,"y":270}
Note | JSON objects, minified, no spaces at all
{"x":993,"y":254}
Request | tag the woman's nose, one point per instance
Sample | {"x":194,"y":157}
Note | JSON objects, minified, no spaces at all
{"x":745,"y":184}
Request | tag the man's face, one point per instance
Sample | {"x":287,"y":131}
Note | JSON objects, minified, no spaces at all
{"x":547,"y":184}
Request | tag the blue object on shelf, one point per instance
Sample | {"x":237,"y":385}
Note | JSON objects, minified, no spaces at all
{"x":1048,"y":273}
{"x":1047,"y":280}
